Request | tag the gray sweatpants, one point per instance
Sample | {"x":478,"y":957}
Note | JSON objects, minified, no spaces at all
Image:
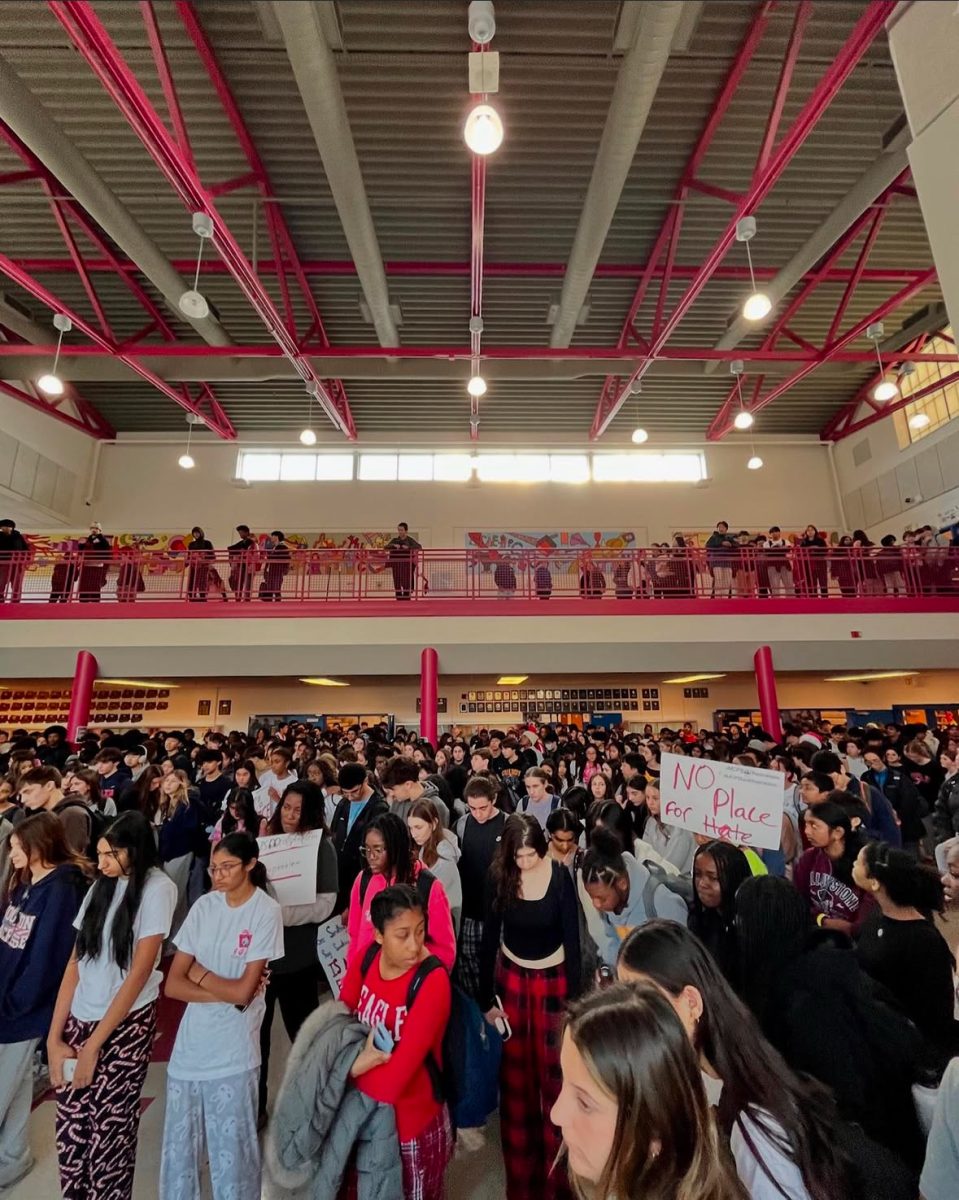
{"x":218,"y":1115}
{"x":16,"y":1096}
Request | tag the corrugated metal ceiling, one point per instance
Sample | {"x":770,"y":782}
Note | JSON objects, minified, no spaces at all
{"x":403,"y":75}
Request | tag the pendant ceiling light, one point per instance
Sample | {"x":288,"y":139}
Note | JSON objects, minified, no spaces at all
{"x":483,"y":130}
{"x":193,"y":303}
{"x":186,"y":459}
{"x":308,"y":436}
{"x":757,"y":305}
{"x":51,"y":384}
{"x":744,"y":418}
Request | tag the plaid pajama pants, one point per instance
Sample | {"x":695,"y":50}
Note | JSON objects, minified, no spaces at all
{"x":530,"y":1080}
{"x":467,"y":969}
{"x":425,"y":1160}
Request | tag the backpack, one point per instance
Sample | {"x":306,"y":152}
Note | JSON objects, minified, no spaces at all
{"x":523,"y":805}
{"x":468,"y":1081}
{"x":682,"y":885}
{"x":98,"y":824}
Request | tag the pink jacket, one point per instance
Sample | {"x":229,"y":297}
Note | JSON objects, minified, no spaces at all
{"x":440,"y":939}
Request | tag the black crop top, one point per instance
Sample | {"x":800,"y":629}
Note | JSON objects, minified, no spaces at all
{"x":533,"y":929}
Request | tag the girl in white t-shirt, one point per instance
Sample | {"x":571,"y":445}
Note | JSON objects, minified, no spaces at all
{"x":219,"y":969}
{"x":104,"y":1021}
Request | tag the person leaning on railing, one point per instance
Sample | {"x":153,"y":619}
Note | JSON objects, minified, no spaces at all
{"x":14,"y":555}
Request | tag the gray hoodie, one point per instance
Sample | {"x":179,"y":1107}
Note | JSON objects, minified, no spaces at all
{"x":447,"y":872}
{"x":664,"y":904}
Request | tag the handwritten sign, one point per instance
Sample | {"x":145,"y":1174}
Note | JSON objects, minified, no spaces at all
{"x":290,"y":861}
{"x":743,"y":805}
{"x":332,"y":943}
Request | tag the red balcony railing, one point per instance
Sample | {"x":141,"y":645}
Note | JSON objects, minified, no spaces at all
{"x":429,"y":577}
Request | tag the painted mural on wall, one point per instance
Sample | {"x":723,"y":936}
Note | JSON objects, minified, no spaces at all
{"x":560,"y":551}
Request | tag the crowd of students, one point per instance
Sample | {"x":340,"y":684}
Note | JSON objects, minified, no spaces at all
{"x":679,"y":1016}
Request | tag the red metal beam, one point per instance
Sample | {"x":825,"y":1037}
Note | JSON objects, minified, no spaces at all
{"x":207,"y":408}
{"x":893,"y":406}
{"x":88,"y":420}
{"x":502,"y":270}
{"x":780,"y":328}
{"x":167,"y":82}
{"x":67,"y":206}
{"x":720,"y":427}
{"x":803,"y":13}
{"x":459,"y":353}
{"x":280,"y":237}
{"x":95,"y":46}
{"x":865,"y":31}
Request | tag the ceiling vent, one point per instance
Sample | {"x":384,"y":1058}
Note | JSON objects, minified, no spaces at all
{"x":862,"y":452}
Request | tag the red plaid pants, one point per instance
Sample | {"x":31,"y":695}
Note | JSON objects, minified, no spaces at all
{"x":530,"y":1080}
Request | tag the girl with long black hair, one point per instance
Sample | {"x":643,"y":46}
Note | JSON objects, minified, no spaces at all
{"x":823,"y":873}
{"x":45,"y":891}
{"x":240,"y":816}
{"x":529,"y":967}
{"x":901,"y":948}
{"x":781,"y":1129}
{"x":223,"y":948}
{"x":718,"y":870}
{"x":104,"y":1021}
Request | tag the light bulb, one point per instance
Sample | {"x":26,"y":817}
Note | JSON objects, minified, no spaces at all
{"x":757,"y":306}
{"x":193,"y":304}
{"x":885,"y":390}
{"x":743,"y":419}
{"x":476,"y":386}
{"x":51,"y":384}
{"x":919,"y":420}
{"x":308,"y":437}
{"x":639,"y":436}
{"x":186,"y":462}
{"x":754,"y":463}
{"x":483,"y":130}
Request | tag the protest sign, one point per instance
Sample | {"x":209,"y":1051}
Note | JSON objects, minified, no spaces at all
{"x":290,"y":861}
{"x":332,"y":943}
{"x":736,"y":804}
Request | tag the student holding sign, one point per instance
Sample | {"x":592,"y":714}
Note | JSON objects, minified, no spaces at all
{"x":294,"y":978}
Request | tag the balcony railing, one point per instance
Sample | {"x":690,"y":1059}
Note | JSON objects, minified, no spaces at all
{"x":429,"y":577}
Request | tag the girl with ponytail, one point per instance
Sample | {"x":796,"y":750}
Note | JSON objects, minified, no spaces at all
{"x":900,"y":946}
{"x":220,"y":971}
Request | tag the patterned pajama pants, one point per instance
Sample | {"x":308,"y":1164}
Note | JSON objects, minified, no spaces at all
{"x":467,"y":969}
{"x":97,"y":1127}
{"x":218,"y":1115}
{"x":425,"y":1160}
{"x":530,"y":1080}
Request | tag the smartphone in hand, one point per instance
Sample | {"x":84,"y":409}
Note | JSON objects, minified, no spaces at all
{"x":382,"y":1039}
{"x":503,"y":1027}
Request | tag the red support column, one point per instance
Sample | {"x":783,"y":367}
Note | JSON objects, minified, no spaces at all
{"x":429,"y":691}
{"x":766,"y":684}
{"x":81,"y":695}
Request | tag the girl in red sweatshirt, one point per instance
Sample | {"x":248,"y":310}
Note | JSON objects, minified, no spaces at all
{"x":391,"y":859}
{"x":379,"y":988}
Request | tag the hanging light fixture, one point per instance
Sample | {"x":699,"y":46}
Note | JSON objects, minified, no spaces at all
{"x":920,"y":420}
{"x":51,"y":384}
{"x":744,"y":418}
{"x":476,"y":386}
{"x":887,"y":388}
{"x":308,"y":436}
{"x":193,"y":303}
{"x":483,"y":130}
{"x":186,"y":459}
{"x":639,"y":434}
{"x":758,"y":304}
{"x":755,"y":463}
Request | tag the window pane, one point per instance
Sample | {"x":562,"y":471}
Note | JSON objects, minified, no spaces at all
{"x":610,"y":468}
{"x":416,"y":467}
{"x":257,"y":467}
{"x":648,"y":468}
{"x":333,"y":467}
{"x":569,"y":468}
{"x":381,"y":467}
{"x":452,"y":468}
{"x":683,"y":468}
{"x":298,"y":467}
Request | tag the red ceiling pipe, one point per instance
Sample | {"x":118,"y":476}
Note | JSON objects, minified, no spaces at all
{"x":81,"y":696}
{"x":866,"y":29}
{"x":97,"y":49}
{"x":503,"y":270}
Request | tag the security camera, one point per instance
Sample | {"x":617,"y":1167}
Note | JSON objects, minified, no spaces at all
{"x":910,"y":500}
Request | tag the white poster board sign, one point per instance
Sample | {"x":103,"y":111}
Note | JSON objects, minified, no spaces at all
{"x":290,"y":861}
{"x":736,"y":804}
{"x":332,"y":943}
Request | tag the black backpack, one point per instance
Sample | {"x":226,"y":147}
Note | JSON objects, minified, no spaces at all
{"x":99,"y":823}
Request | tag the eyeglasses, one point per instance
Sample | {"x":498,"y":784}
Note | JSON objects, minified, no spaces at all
{"x":372,"y":851}
{"x":223,"y":868}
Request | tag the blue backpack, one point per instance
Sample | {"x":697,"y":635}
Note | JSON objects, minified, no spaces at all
{"x":468,"y":1080}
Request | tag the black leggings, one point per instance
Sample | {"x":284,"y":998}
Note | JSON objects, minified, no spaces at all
{"x":298,"y":994}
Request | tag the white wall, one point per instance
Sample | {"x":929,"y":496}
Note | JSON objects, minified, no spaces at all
{"x":140,"y":487}
{"x":44,"y":467}
{"x":875,"y":492}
